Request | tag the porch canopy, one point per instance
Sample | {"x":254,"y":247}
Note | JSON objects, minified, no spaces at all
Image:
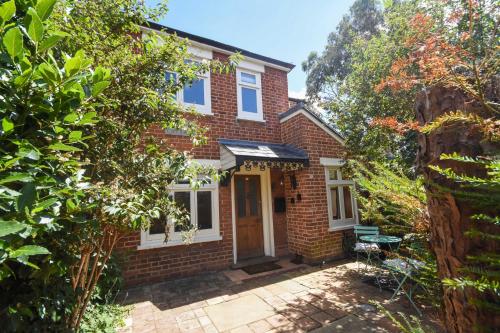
{"x":236,"y":153}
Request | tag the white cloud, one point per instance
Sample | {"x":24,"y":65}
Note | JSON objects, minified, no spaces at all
{"x":297,"y":94}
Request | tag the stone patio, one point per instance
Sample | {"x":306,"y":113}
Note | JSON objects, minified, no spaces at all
{"x":329,"y":299}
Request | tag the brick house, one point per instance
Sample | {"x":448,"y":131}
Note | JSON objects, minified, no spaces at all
{"x":283,"y":194}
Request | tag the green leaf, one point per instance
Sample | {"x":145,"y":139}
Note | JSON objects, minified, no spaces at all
{"x":99,"y":87}
{"x":70,"y":118}
{"x":16,"y":177}
{"x":44,"y":204}
{"x":35,"y":28}
{"x":29,"y":250}
{"x":7,"y":10}
{"x":7,"y":125}
{"x":28,"y":195}
{"x":10,"y":227}
{"x":88,"y":118}
{"x":63,"y":147}
{"x":48,"y":42}
{"x":49,"y":73}
{"x":75,"y":136}
{"x":13,"y":42}
{"x":44,"y":8}
{"x":73,"y":65}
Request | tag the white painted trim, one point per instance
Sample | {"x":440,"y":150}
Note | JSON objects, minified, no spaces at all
{"x":316,"y":122}
{"x":267,"y":213}
{"x":327,"y":161}
{"x":212,"y":48}
{"x":154,"y":245}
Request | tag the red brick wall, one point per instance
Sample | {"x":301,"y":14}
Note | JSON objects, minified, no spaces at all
{"x":224,"y":122}
{"x":142,"y":266}
{"x":307,"y":219}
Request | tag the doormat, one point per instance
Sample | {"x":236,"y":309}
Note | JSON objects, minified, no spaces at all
{"x":259,"y":268}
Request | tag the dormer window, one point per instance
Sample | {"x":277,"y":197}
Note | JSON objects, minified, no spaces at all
{"x":249,"y":95}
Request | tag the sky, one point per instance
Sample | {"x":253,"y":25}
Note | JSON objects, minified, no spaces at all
{"x":286,"y":30}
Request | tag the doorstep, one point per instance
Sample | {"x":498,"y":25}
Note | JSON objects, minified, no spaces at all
{"x":254,"y":261}
{"x":240,"y":276}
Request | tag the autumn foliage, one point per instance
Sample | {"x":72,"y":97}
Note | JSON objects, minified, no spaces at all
{"x":459,"y":52}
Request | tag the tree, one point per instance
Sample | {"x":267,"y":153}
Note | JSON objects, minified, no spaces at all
{"x":356,"y":58}
{"x":457,"y":64}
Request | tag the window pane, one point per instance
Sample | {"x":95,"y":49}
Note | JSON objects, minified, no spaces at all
{"x":157,"y":226}
{"x":171,"y":77}
{"x":334,"y":193}
{"x":333,"y":173}
{"x":249,"y":99}
{"x":249,"y":78}
{"x":195,"y":93}
{"x":183,"y":200}
{"x":347,"y":202}
{"x":204,"y":209}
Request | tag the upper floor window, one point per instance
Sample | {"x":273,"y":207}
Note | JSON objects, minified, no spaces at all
{"x":249,"y":95}
{"x":196,"y":94}
{"x":341,"y":200}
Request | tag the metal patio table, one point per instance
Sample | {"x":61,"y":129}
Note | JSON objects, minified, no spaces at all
{"x":383,"y":240}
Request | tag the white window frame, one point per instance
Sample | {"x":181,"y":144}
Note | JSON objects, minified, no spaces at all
{"x":149,"y":241}
{"x":259,"y":116}
{"x":206,"y":108}
{"x":343,"y":222}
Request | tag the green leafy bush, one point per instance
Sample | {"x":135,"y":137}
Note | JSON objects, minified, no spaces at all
{"x":47,"y":107}
{"x":104,"y":318}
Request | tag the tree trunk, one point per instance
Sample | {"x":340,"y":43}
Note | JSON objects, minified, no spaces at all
{"x":451,"y":216}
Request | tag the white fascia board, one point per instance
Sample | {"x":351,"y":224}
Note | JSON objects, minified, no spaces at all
{"x":316,"y":122}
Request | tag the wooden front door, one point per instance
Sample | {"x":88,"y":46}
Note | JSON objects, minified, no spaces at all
{"x":249,"y":230}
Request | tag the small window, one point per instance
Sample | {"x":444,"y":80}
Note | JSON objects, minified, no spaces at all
{"x":341,"y":202}
{"x":249,"y":96}
{"x":248,"y":78}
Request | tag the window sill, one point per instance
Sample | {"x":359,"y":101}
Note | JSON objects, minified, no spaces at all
{"x":257,"y":120}
{"x":178,"y":242}
{"x":343,"y":227}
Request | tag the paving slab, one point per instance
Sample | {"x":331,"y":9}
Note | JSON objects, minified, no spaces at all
{"x":349,"y":324}
{"x":241,"y":311}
